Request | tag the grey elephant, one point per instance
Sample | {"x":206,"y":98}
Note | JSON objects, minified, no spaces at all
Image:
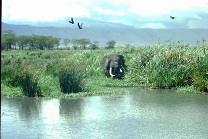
{"x":114,"y":64}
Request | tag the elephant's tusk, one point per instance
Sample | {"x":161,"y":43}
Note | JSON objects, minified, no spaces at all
{"x":111,"y":72}
{"x":121,"y":70}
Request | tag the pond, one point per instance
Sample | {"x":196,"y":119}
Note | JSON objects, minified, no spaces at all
{"x":140,"y":113}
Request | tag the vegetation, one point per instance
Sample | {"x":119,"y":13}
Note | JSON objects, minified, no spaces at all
{"x":167,"y":67}
{"x":29,"y":83}
{"x":56,"y":73}
{"x":94,"y":45}
{"x":110,"y":44}
{"x":61,"y":73}
{"x":34,"y":42}
{"x":70,"y":79}
{"x":66,"y":42}
{"x":10,"y":41}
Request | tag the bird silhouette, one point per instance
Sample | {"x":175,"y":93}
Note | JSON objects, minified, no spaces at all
{"x":172,"y":17}
{"x":80,"y":26}
{"x":72,"y":21}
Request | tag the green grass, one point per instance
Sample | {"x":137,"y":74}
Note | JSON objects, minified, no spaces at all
{"x":187,"y":89}
{"x":10,"y":91}
{"x":157,"y":66}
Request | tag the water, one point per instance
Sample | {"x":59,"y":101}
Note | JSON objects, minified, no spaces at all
{"x":144,"y":114}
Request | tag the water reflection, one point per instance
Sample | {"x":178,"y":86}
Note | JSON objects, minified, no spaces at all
{"x":27,"y":109}
{"x":144,"y":114}
{"x":71,"y":108}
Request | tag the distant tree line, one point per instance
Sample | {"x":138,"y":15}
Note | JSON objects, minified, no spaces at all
{"x":10,"y":41}
{"x":82,"y":44}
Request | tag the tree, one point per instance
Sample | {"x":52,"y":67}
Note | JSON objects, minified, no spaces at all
{"x":32,"y":42}
{"x":3,"y":44}
{"x":83,"y":43}
{"x":66,"y":42}
{"x":56,"y":42}
{"x":94,"y":45}
{"x":110,"y":44}
{"x":43,"y":42}
{"x":8,"y":39}
{"x":22,"y":41}
{"x":49,"y":42}
{"x":75,"y":43}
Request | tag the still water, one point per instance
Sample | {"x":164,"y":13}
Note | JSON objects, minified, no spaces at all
{"x":142,"y":114}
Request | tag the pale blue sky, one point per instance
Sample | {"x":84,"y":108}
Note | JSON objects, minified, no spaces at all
{"x":138,"y":13}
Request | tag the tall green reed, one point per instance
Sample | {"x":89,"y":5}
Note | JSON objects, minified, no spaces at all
{"x":167,"y":66}
{"x":71,"y":78}
{"x":29,"y":83}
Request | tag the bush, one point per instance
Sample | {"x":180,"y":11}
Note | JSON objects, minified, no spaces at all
{"x":110,"y":44}
{"x":70,"y":80}
{"x":201,"y":74}
{"x":10,"y":70}
{"x":29,"y":84}
{"x":52,"y":67}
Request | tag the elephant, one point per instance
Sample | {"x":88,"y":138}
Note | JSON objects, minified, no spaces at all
{"x":114,"y":64}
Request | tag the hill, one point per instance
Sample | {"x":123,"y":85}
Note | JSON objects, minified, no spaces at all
{"x":103,"y":32}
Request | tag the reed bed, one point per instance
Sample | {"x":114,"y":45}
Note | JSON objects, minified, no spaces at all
{"x":173,"y":66}
{"x":55,"y":72}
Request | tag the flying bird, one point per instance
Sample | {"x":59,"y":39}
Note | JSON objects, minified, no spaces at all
{"x":172,"y":17}
{"x":72,"y":21}
{"x":80,"y":26}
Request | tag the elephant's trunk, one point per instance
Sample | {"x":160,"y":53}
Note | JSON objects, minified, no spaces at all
{"x":111,"y":72}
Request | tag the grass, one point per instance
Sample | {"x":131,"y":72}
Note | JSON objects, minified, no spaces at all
{"x":28,"y":83}
{"x":11,"y":91}
{"x":71,"y":80}
{"x":52,"y":71}
{"x":187,"y":89}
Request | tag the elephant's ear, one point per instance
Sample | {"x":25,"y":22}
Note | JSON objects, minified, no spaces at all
{"x":102,"y":63}
{"x":105,"y":63}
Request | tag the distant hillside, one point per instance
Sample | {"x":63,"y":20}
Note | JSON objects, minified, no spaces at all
{"x":122,"y":35}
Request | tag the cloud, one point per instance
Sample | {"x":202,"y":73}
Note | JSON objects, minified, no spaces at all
{"x":109,"y":12}
{"x":44,"y":10}
{"x":115,"y":21}
{"x":154,"y":26}
{"x":158,"y":7}
{"x":200,"y":20}
{"x":138,"y":13}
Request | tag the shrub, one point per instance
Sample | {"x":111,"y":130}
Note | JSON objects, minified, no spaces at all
{"x":71,"y":80}
{"x":52,"y":67}
{"x":10,"y":70}
{"x":201,"y":74}
{"x":29,"y":83}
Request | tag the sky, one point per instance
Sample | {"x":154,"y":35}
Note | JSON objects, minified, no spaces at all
{"x":138,"y":13}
